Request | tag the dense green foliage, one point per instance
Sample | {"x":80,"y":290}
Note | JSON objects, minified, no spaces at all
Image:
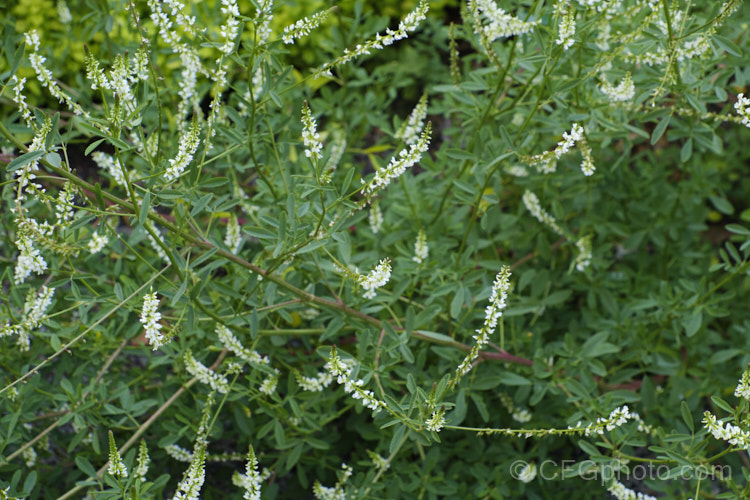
{"x":627,"y":244}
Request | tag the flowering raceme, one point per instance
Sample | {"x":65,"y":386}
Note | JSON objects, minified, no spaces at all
{"x":531,"y":202}
{"x":624,"y":91}
{"x":310,"y":135}
{"x":205,"y":374}
{"x":421,"y":250}
{"x":742,"y":106}
{"x":408,"y":24}
{"x":412,"y":127}
{"x":493,"y":22}
{"x":343,"y":374}
{"x":304,"y":26}
{"x":116,"y":466}
{"x":567,"y":28}
{"x":150,"y":318}
{"x":188,"y":145}
{"x":398,"y":165}
{"x":376,"y":278}
{"x":34,"y":313}
{"x":492,"y":313}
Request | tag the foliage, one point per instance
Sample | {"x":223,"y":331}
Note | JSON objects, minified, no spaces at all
{"x":498,"y":255}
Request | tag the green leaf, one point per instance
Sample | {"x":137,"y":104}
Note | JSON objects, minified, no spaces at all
{"x":396,"y":439}
{"x":53,"y":159}
{"x":92,"y":146}
{"x":259,"y":232}
{"x":660,"y":129}
{"x":737,"y":229}
{"x":458,"y":414}
{"x":481,"y":406}
{"x":145,"y":205}
{"x":441,"y":337}
{"x":722,"y":404}
{"x":201,"y":204}
{"x":30,"y":482}
{"x":457,"y":303}
{"x":254,"y":324}
{"x":692,"y":322}
{"x":99,"y":196}
{"x":179,"y":293}
{"x":509,"y":378}
{"x":409,"y":325}
{"x":687,"y":150}
{"x":722,"y":205}
{"x":459,"y":154}
{"x":686,"y":416}
{"x":728,"y":45}
{"x":24,"y":160}
{"x":85,"y":466}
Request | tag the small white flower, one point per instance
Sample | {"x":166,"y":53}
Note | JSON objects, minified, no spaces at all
{"x":421,"y":250}
{"x":97,"y":242}
{"x":155,"y":245}
{"x":569,"y":140}
{"x":583,"y":259}
{"x":251,"y":479}
{"x":531,"y":202}
{"x":233,"y":239}
{"x":116,"y":466}
{"x":45,"y":77}
{"x":143,"y":462}
{"x":268,"y":386}
{"x":408,"y":24}
{"x":34,"y":313}
{"x":376,"y":278}
{"x":230,"y":29}
{"x":412,"y":127}
{"x":150,"y":318}
{"x":314,"y":384}
{"x":546,"y":162}
{"x":528,"y":473}
{"x":743,"y":387}
{"x":310,"y":135}
{"x":436,"y":422}
{"x":376,"y":217}
{"x":587,"y":164}
{"x":355,"y":388}
{"x":64,"y":208}
{"x":726,"y":432}
{"x":190,"y":487}
{"x":29,"y":456}
{"x":234,"y":345}
{"x":620,"y":492}
{"x":567,"y":27}
{"x":495,"y":23}
{"x":742,"y":106}
{"x":29,"y":259}
{"x":188,"y":145}
{"x":63,"y":12}
{"x":20,"y":100}
{"x":209,"y":377}
{"x":492,"y":314}
{"x":304,"y":26}
{"x":618,"y":417}
{"x":107,"y":162}
{"x":624,"y":91}
{"x":178,"y":453}
{"x":398,"y":165}
{"x":521,"y":415}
